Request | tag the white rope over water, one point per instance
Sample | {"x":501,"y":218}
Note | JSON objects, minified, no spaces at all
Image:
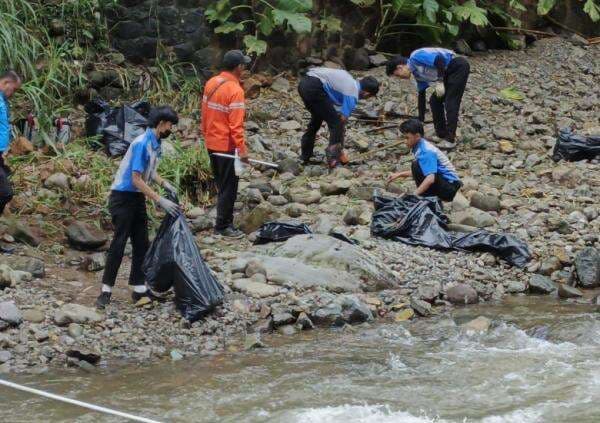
{"x":77,"y":403}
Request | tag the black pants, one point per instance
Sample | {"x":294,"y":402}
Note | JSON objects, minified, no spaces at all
{"x":321,"y":109}
{"x":445,"y":110}
{"x":6,"y":190}
{"x":129,"y":218}
{"x":441,"y":188}
{"x":227,"y":186}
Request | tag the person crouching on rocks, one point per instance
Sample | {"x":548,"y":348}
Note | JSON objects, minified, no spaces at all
{"x":331,"y":95}
{"x":431,"y":170}
{"x":127,"y":204}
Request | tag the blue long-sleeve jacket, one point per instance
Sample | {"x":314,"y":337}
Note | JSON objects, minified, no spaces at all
{"x":340,"y":86}
{"x":4,"y":124}
{"x":422,"y":64}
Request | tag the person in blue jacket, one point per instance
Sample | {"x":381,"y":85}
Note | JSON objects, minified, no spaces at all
{"x":448,"y":73}
{"x":331,"y":95}
{"x":10,"y":82}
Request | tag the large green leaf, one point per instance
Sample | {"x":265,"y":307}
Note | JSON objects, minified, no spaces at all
{"x":592,"y":9}
{"x":330,"y":24}
{"x":228,"y":27}
{"x":295,"y":5}
{"x":469,"y":11}
{"x":296,"y":21}
{"x":452,"y":29}
{"x":218,"y":12}
{"x":517,"y":5}
{"x":266,"y":25}
{"x":254,"y":45}
{"x":511,"y":93}
{"x":545,"y":6}
{"x":430,"y":7}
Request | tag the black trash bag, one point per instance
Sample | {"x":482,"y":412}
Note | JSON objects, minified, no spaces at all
{"x":421,"y":221}
{"x":343,"y":237}
{"x":280,"y":231}
{"x":118,"y":126}
{"x":572,"y":147}
{"x":174,"y":260}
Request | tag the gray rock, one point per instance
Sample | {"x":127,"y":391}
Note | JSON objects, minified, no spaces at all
{"x":462,"y":47}
{"x":566,"y":291}
{"x":485,"y":202}
{"x":377,"y":60}
{"x":539,"y":284}
{"x":296,"y":209}
{"x":326,"y":251}
{"x":515,"y":287}
{"x":351,"y":216}
{"x":336,"y":187}
{"x":254,"y":196}
{"x":304,"y":322}
{"x":429,"y":291}
{"x":462,"y":294}
{"x":290,"y":125}
{"x":259,"y":215}
{"x":355,"y":311}
{"x":255,"y":289}
{"x":76,"y":313}
{"x":305,"y":197}
{"x":75,"y":330}
{"x":5,"y":356}
{"x":94,"y":262}
{"x":10,"y":313}
{"x":587,"y":264}
{"x":84,"y":236}
{"x":22,"y":232}
{"x":57,"y":181}
{"x":281,"y":85}
{"x":289,"y":165}
{"x":282,"y":318}
{"x":277,"y":200}
{"x":331,"y":315}
{"x":31,"y":265}
{"x":423,"y":308}
{"x":474,"y":217}
{"x":34,"y":316}
{"x":550,"y":265}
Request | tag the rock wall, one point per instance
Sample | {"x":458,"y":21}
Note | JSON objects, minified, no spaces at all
{"x":139,"y":28}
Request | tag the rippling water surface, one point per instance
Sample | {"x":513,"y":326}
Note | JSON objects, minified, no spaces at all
{"x":540,"y":362}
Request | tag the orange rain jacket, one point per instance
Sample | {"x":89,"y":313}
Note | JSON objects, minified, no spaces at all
{"x":223,"y":111}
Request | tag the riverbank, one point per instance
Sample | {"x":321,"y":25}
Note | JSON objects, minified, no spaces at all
{"x":511,"y":185}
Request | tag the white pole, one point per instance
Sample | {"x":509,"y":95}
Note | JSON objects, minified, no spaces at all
{"x":231,"y":156}
{"x":77,"y":403}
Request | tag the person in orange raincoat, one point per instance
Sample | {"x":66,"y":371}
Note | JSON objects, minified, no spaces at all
{"x":222,"y":125}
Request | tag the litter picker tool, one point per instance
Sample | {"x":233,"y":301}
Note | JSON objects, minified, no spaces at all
{"x":260,"y":162}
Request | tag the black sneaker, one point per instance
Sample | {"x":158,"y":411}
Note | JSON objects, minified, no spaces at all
{"x":230,"y":232}
{"x":103,"y":300}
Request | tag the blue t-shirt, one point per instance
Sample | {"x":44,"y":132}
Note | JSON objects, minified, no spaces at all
{"x":340,"y":86}
{"x":4,"y":123}
{"x":142,"y":156}
{"x":432,"y":160}
{"x":422,"y":65}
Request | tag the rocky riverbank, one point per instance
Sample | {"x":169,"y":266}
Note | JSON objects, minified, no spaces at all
{"x":511,"y":185}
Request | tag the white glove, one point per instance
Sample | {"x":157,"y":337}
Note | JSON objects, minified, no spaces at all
{"x":440,"y":90}
{"x":169,"y":206}
{"x":170,"y":188}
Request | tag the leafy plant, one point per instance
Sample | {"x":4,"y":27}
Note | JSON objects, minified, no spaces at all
{"x":259,"y":18}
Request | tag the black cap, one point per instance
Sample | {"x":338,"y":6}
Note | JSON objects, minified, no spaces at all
{"x":234,"y":58}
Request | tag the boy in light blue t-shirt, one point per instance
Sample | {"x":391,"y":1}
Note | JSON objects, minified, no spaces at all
{"x":432,"y":171}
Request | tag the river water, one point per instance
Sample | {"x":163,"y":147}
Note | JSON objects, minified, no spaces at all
{"x":539,"y":362}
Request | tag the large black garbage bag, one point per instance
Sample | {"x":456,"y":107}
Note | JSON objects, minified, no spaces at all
{"x":118,"y":126}
{"x":280,"y":231}
{"x":174,"y":260}
{"x":572,"y":147}
{"x":421,"y":221}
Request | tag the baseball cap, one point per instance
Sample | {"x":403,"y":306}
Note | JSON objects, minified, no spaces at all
{"x":233,"y":58}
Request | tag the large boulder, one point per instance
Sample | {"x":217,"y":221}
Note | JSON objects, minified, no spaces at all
{"x":540,"y":284}
{"x":255,"y":218}
{"x":328,"y":252}
{"x":291,"y":272}
{"x":84,"y":236}
{"x":24,"y":233}
{"x":587,"y":264}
